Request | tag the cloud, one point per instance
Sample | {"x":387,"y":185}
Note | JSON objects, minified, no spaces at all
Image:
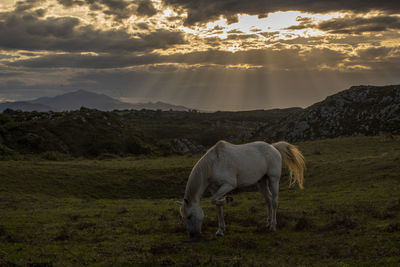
{"x":27,"y":31}
{"x":290,"y":58}
{"x":351,"y":24}
{"x":375,"y":52}
{"x":358,"y":25}
{"x":103,"y":61}
{"x":208,"y":10}
{"x":146,"y":8}
{"x":21,"y":6}
{"x":118,"y":9}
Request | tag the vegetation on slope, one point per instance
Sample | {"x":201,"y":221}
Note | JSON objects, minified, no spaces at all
{"x":91,"y":133}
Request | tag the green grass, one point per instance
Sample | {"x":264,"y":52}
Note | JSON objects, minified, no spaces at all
{"x":122,"y":212}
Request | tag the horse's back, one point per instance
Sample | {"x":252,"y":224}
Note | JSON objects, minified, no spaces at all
{"x":247,"y":163}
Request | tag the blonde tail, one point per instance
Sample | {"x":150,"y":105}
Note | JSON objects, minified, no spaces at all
{"x":293,"y":158}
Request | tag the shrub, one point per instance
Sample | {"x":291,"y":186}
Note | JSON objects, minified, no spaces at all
{"x":54,"y":156}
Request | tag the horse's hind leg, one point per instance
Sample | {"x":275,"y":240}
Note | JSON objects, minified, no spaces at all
{"x":274,"y":188}
{"x":262,"y":187}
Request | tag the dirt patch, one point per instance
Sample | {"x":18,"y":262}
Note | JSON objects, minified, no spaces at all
{"x":11,"y":238}
{"x":74,"y":217}
{"x":162,"y":218}
{"x":63,"y":235}
{"x":122,"y":210}
{"x":246,"y":221}
{"x":2,"y":230}
{"x":327,"y":210}
{"x":383,"y":215}
{"x":285,"y":219}
{"x":85,"y":225}
{"x":141,"y":231}
{"x":303,"y":224}
{"x":395,"y":206}
{"x":345,"y":222}
{"x":164,"y":247}
{"x":393,"y":227}
{"x":40,"y":264}
{"x":240,"y":242}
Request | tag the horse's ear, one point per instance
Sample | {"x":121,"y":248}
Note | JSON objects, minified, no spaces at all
{"x":180,"y":203}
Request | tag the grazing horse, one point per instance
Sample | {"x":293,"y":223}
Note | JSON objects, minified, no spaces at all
{"x":226,"y":166}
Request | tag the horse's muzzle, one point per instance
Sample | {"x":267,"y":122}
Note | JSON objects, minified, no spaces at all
{"x":192,"y":235}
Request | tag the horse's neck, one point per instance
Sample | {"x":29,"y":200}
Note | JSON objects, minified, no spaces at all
{"x":197,"y":182}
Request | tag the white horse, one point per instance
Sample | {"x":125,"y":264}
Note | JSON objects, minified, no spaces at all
{"x":226,"y":166}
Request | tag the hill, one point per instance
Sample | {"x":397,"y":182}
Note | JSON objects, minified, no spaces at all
{"x":123,"y":212}
{"x":81,"y":98}
{"x":360,"y":110}
{"x":93,"y":133}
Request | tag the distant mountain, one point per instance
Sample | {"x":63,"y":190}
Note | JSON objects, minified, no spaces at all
{"x":25,"y":106}
{"x":360,"y":110}
{"x":81,"y":98}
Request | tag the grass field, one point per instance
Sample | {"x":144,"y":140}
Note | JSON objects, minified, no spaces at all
{"x":122,"y":212}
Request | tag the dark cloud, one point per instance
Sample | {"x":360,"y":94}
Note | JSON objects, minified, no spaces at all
{"x":304,"y":23}
{"x":146,"y":8}
{"x":200,"y":11}
{"x":269,"y":58}
{"x":21,"y":6}
{"x":70,"y":3}
{"x":359,"y":25}
{"x":235,"y":31}
{"x":375,"y":52}
{"x":29,"y":32}
{"x":87,"y":61}
{"x":351,"y":24}
{"x":118,"y":9}
{"x":269,"y":34}
{"x":241,"y":36}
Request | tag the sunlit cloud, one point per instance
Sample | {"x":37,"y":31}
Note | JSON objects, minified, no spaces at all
{"x":204,"y":54}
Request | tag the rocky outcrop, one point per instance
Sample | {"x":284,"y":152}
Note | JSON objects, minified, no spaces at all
{"x":360,"y":110}
{"x":184,"y":146}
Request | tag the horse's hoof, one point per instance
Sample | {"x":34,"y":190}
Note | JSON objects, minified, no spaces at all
{"x":219,"y":233}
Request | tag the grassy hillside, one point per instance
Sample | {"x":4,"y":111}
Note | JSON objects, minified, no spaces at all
{"x":122,"y":212}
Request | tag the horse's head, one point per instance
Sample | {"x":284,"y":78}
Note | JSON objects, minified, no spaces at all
{"x":193,"y":216}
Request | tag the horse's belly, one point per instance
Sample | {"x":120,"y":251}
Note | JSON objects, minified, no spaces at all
{"x":249,"y":179}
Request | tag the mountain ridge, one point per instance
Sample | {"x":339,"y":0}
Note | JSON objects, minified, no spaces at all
{"x":82,"y":98}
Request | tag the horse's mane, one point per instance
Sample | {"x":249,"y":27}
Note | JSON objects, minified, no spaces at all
{"x":199,"y":172}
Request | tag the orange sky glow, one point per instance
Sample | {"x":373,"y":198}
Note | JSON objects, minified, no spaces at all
{"x":209,"y":55}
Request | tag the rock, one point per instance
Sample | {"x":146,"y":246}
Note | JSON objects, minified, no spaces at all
{"x":184,"y":146}
{"x":360,"y":110}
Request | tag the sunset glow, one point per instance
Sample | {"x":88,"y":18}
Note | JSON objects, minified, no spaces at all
{"x":265,"y":54}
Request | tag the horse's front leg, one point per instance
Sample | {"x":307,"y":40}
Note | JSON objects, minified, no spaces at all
{"x":221,"y":221}
{"x":216,"y":200}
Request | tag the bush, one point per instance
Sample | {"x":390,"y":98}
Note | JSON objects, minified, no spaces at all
{"x":107,"y":156}
{"x":5,"y":151}
{"x":54,"y":156}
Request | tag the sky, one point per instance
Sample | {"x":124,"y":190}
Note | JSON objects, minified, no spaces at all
{"x":204,"y":54}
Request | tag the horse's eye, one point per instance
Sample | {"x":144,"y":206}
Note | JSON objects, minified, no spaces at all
{"x":189,"y":217}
